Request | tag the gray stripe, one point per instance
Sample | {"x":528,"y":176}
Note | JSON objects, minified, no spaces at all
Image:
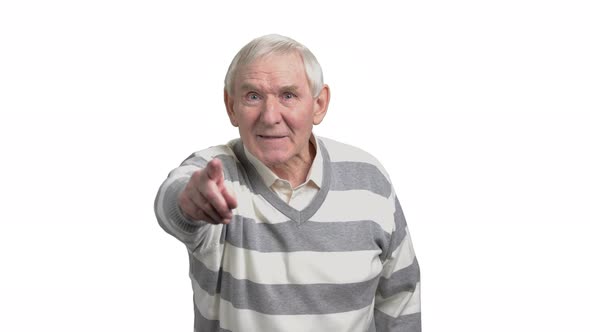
{"x":292,"y":299}
{"x":405,"y":323}
{"x":400,"y":225}
{"x":233,"y":170}
{"x":404,"y":280}
{"x":359,"y":176}
{"x":203,"y":324}
{"x":311,"y":236}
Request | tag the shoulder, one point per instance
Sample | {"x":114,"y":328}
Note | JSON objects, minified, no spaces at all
{"x":200,"y":159}
{"x":342,"y":152}
{"x":224,"y":152}
{"x":354,"y":168}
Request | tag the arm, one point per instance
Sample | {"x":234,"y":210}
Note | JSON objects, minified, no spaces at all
{"x":397,"y":302}
{"x":192,"y":200}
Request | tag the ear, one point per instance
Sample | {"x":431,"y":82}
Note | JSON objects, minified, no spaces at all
{"x":320,"y":105}
{"x":229,"y":107}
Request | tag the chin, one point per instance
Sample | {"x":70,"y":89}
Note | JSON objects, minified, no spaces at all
{"x":273,"y":158}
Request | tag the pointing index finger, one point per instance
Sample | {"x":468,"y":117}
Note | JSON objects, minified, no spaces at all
{"x":215,"y":171}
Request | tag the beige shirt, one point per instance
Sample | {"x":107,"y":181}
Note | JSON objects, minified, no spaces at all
{"x":298,"y":197}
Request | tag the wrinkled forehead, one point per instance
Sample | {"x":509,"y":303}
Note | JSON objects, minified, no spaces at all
{"x":276,"y":69}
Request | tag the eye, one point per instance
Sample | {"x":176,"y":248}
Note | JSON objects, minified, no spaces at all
{"x":252,"y":96}
{"x":288,"y":95}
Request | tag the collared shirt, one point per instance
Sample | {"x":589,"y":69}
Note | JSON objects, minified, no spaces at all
{"x":298,"y":197}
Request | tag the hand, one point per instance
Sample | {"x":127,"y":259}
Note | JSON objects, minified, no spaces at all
{"x":205,"y":196}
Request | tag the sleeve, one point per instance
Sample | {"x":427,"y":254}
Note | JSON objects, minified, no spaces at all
{"x":193,"y":233}
{"x":397,"y":300}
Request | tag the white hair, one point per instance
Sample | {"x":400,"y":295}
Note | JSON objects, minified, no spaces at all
{"x":276,"y":44}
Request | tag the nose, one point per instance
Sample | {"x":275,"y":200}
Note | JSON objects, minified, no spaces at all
{"x":271,"y":113}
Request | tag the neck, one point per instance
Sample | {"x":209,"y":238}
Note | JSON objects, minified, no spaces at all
{"x":296,"y":171}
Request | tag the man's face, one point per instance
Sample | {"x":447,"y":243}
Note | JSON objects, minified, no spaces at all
{"x":274,"y":109}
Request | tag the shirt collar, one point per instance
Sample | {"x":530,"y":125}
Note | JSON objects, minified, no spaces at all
{"x":269,"y":177}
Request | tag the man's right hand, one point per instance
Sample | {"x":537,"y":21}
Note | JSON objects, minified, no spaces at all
{"x":206,"y":198}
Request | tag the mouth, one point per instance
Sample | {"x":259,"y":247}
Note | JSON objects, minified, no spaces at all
{"x":270,"y":137}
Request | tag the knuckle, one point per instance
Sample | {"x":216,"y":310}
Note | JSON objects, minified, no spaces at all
{"x":206,"y":218}
{"x":199,"y":215}
{"x":195,"y":176}
{"x":199,"y":200}
{"x":209,"y":195}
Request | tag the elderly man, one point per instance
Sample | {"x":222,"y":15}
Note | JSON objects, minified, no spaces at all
{"x":285,"y":230}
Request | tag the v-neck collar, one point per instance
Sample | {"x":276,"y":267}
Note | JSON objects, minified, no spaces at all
{"x":260,"y":188}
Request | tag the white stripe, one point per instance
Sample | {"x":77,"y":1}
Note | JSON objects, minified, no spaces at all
{"x":210,"y":257}
{"x":351,"y":205}
{"x":207,"y":305}
{"x":413,"y":305}
{"x":301,"y":267}
{"x":402,"y":303}
{"x":338,"y":206}
{"x":257,"y":208}
{"x":401,"y":258}
{"x":245,"y":320}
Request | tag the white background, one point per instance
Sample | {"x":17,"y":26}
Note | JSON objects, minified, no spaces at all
{"x":478,"y":110}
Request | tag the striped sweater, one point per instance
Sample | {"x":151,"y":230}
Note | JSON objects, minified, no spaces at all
{"x":343,"y":263}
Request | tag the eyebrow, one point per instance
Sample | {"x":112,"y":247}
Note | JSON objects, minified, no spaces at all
{"x":293,"y":88}
{"x":248,"y":87}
